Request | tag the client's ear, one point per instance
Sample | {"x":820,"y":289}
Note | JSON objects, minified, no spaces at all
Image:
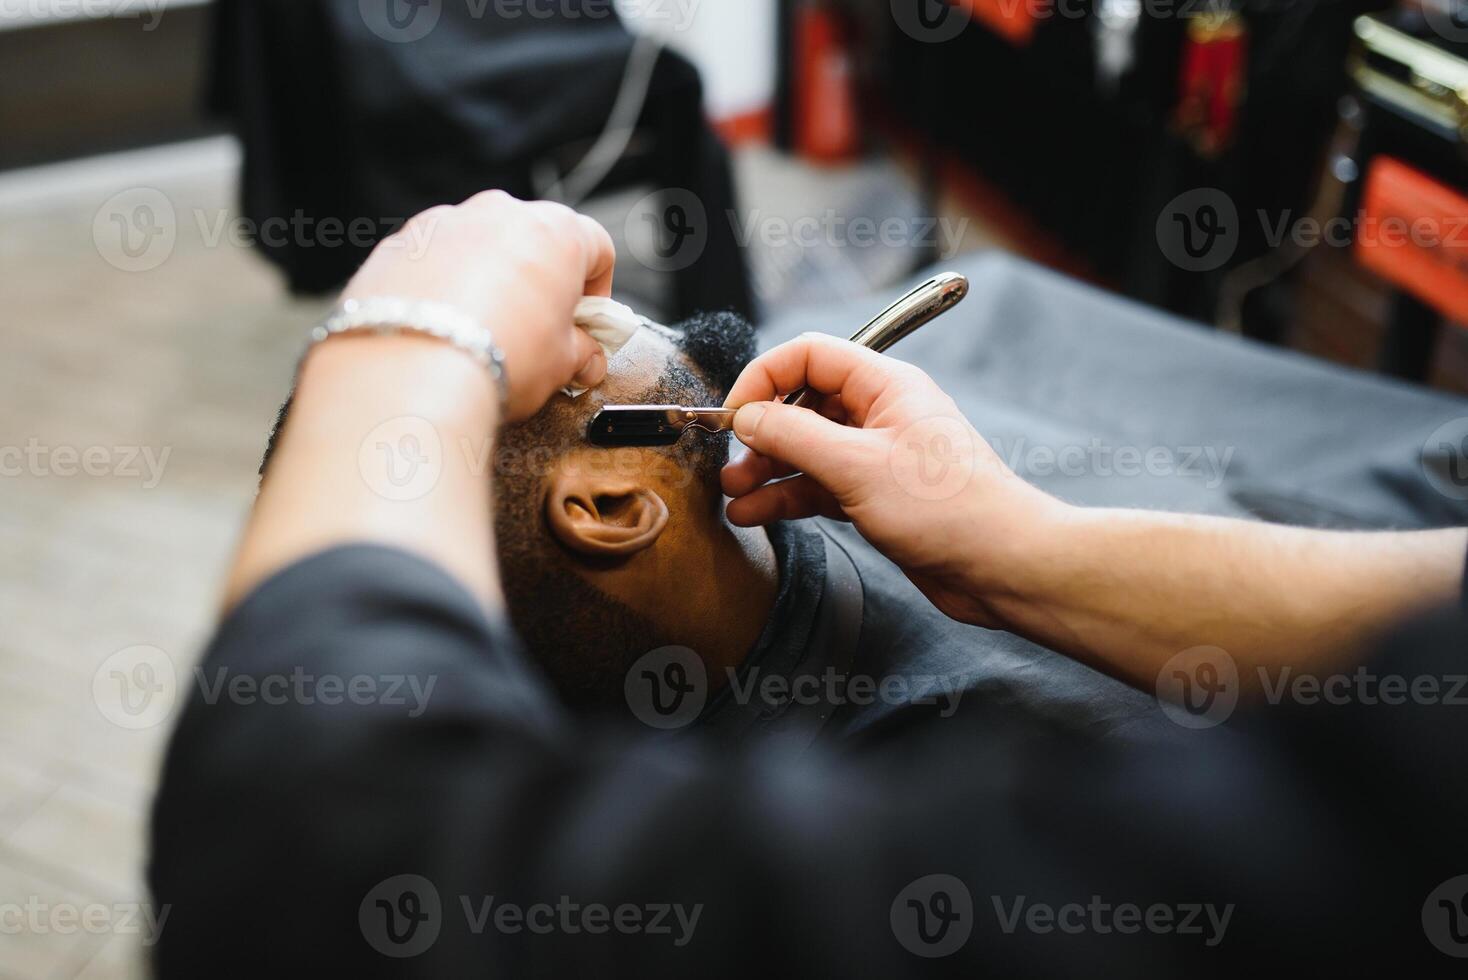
{"x":602,"y":514}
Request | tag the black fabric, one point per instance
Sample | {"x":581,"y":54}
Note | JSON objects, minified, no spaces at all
{"x":911,"y":663}
{"x":1043,"y":364}
{"x":342,"y":124}
{"x":281,"y":832}
{"x":781,"y":647}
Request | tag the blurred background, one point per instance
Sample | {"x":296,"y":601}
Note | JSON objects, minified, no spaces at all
{"x":183,"y":184}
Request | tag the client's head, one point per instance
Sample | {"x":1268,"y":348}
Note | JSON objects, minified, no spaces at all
{"x":594,"y":542}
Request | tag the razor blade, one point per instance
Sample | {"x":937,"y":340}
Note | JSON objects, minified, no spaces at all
{"x":664,"y":425}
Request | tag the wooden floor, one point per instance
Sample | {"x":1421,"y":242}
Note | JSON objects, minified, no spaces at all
{"x":188,"y":360}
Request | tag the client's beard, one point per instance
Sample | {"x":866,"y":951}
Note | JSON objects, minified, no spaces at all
{"x":584,"y":640}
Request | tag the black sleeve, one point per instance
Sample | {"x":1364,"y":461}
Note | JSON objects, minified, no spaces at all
{"x":369,"y":780}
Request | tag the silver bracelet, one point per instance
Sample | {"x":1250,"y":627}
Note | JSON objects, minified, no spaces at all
{"x":386,"y":315}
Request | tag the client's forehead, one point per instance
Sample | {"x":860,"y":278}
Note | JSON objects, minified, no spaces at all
{"x":632,"y":372}
{"x":635,"y":369}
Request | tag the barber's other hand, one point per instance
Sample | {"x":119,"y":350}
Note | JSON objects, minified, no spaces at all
{"x":519,"y":267}
{"x":891,"y":452}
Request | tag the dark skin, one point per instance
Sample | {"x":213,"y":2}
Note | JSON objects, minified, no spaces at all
{"x":644,"y":530}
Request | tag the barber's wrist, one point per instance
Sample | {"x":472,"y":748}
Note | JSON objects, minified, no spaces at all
{"x":1019,"y":556}
{"x":403,"y":374}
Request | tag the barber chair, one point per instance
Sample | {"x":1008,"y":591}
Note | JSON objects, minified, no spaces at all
{"x":347,"y":117}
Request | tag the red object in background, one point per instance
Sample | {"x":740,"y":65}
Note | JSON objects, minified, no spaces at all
{"x":1013,"y":20}
{"x":1414,"y":233}
{"x":825,"y":120}
{"x":1211,"y":83}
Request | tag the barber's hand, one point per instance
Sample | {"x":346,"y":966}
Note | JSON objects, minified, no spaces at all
{"x":518,"y":267}
{"x":889,"y":451}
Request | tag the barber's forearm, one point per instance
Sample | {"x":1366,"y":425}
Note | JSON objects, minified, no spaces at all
{"x":388,"y":441}
{"x":1128,"y":590}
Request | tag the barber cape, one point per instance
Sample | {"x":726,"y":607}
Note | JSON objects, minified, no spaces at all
{"x":852,"y":650}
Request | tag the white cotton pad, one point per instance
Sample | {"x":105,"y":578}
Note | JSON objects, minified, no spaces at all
{"x":611,"y":324}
